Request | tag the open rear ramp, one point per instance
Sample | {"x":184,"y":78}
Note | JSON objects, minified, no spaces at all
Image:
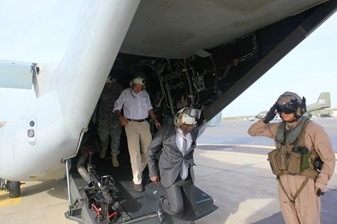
{"x":130,"y":206}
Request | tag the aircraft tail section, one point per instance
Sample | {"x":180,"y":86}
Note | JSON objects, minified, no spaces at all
{"x":67,"y":92}
{"x":81,"y":75}
{"x":322,"y":102}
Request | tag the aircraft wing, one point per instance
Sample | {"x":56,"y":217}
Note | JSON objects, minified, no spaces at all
{"x":15,"y":75}
{"x":227,"y":44}
{"x":179,"y":29}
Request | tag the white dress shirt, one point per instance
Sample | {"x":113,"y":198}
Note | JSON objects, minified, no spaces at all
{"x":180,"y":140}
{"x":135,"y":106}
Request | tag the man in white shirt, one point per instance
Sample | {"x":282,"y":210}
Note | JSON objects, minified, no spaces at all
{"x":136,"y":105}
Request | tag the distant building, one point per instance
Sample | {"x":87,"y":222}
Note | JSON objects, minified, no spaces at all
{"x":215,"y":121}
{"x":328,"y":112}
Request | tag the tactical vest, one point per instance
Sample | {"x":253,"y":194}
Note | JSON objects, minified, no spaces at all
{"x":295,"y":158}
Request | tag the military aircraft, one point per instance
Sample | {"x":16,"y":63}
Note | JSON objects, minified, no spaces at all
{"x":196,"y":53}
{"x":322,"y":102}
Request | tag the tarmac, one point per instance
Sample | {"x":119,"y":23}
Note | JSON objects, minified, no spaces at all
{"x":231,"y":167}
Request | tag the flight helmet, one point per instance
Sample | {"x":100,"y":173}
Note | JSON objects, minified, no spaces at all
{"x":138,"y":80}
{"x":110,"y":79}
{"x":187,"y":115}
{"x":290,"y":102}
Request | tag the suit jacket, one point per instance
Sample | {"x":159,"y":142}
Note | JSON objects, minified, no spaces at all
{"x":164,"y":147}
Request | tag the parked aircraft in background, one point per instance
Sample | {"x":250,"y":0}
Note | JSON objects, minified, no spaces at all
{"x":323,"y":101}
{"x":195,"y":53}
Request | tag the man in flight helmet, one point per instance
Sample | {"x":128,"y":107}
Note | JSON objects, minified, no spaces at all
{"x":138,"y":80}
{"x":137,"y":107}
{"x":175,"y":144}
{"x":303,"y":160}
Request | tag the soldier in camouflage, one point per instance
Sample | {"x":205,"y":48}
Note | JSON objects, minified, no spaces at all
{"x":108,"y":125}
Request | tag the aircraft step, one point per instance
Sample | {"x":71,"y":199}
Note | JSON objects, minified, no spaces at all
{"x":132,"y":206}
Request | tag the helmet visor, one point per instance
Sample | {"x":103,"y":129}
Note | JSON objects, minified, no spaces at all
{"x":193,"y":112}
{"x":187,"y":119}
{"x":288,"y":107}
{"x":139,"y":81}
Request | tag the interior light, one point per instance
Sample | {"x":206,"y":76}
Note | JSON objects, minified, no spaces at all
{"x":30,"y":133}
{"x":31,"y":123}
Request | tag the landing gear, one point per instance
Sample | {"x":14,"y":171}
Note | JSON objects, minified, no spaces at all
{"x":13,"y":187}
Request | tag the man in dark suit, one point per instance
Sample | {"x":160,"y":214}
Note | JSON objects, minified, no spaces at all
{"x":175,"y":144}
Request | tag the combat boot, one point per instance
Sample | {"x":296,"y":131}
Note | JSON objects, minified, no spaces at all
{"x":103,"y":152}
{"x":114,"y":161}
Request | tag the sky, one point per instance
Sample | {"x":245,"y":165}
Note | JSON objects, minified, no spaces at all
{"x":39,"y":31}
{"x":33,"y":31}
{"x":308,"y":70}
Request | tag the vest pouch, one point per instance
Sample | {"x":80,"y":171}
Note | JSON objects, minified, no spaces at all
{"x":294,"y":166}
{"x":282,"y":160}
{"x":305,"y":161}
{"x":273,"y":161}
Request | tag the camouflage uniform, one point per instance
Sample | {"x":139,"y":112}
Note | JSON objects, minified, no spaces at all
{"x":108,"y":123}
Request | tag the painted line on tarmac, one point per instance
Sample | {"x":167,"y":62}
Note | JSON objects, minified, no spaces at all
{"x":238,"y":145}
{"x":5,"y":200}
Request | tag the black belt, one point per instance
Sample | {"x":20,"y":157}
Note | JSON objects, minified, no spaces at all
{"x":141,"y":120}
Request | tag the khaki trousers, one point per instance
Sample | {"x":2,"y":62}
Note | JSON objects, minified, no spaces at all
{"x":138,"y":137}
{"x":307,"y":206}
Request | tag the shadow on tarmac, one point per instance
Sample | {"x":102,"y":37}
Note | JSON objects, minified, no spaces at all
{"x":328,"y":213}
{"x":55,"y":188}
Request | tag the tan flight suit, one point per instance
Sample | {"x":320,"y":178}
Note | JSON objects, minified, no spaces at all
{"x":306,"y":209}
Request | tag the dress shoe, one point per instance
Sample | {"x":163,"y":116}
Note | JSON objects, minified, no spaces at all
{"x":114,"y":161}
{"x":138,"y":187}
{"x":160,"y":215}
